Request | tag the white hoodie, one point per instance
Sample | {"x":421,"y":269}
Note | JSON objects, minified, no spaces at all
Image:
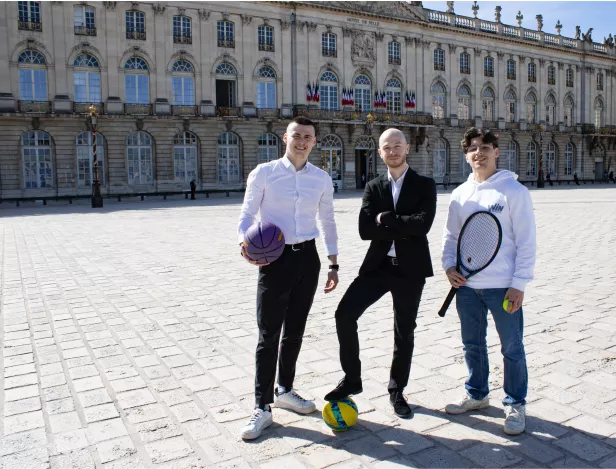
{"x":510,"y":202}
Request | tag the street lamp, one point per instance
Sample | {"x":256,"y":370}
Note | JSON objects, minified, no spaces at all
{"x":540,"y":181}
{"x":370,"y":118}
{"x":92,"y":121}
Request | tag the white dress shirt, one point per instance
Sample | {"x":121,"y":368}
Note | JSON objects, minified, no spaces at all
{"x":396,"y":187}
{"x":291,"y":199}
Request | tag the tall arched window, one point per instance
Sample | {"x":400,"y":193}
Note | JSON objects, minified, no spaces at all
{"x":551,"y":75}
{"x":87,"y":79}
{"x":137,"y":81}
{"x":531,"y":107}
{"x":32,"y":76}
{"x":532,"y":73}
{"x":488,"y":67}
{"x":569,"y":158}
{"x":464,"y":102}
{"x":568,"y":111}
{"x":268,"y":148}
{"x":511,"y":69}
{"x":185,"y":156}
{"x":328,"y":45}
{"x":531,"y":159}
{"x":487,"y":104}
{"x":225,"y":32}
{"x":331,"y":156}
{"x":228,"y":158}
{"x":599,"y":81}
{"x":393,"y":93}
{"x":363,"y":93}
{"x":569,"y":78}
{"x":183,"y":83}
{"x":438,"y":100}
{"x":139,"y":158}
{"x":511,"y":111}
{"x":85,"y":158}
{"x":265,"y":35}
{"x":37,"y":158}
{"x":439,"y":59}
{"x":393,"y":53}
{"x":550,"y":159}
{"x":465,"y":168}
{"x":465,"y":63}
{"x":266,"y":88}
{"x":328,"y":89}
{"x":440,"y":158}
{"x":511,"y":156}
{"x":598,"y":113}
{"x":226,"y":77}
{"x":550,"y":109}
{"x":182,"y":29}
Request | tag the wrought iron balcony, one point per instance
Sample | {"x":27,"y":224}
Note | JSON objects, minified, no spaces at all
{"x":139,"y":35}
{"x":440,"y":67}
{"x":83,"y":108}
{"x":268,"y":47}
{"x":379,"y":116}
{"x":466,"y":123}
{"x":138,"y":109}
{"x":30,"y":26}
{"x":532,"y":79}
{"x":330,"y":52}
{"x":510,"y":76}
{"x":512,"y":125}
{"x":465,"y":70}
{"x":488,"y":73}
{"x":395,"y":60}
{"x":551,"y":81}
{"x":268,"y":113}
{"x":222,"y":111}
{"x":182,"y":39}
{"x":34,"y":106}
{"x":184,"y":110}
{"x":569,"y":84}
{"x":230,"y":43}
{"x":85,"y":31}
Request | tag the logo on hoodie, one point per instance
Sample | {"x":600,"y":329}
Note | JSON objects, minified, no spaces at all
{"x":496,"y":208}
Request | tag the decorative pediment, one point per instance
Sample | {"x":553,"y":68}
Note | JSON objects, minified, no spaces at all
{"x":397,"y":10}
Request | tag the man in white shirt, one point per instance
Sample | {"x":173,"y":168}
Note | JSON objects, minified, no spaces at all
{"x":291,"y":193}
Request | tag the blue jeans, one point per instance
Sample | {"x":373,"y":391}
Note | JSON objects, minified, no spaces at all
{"x":473,"y":308}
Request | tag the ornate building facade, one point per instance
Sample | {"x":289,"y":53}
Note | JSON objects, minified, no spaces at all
{"x":205,"y":90}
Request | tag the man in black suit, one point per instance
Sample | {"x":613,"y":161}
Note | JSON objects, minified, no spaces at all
{"x":397,"y":212}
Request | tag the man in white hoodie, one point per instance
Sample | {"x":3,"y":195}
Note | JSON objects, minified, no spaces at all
{"x":498,"y":192}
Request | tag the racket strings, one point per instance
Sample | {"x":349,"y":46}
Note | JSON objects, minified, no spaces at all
{"x":478,"y":242}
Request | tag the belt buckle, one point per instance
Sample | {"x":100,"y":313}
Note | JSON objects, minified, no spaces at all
{"x":296,"y":244}
{"x":394,"y":261}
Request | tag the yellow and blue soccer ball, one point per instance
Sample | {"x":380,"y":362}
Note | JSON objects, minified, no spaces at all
{"x":340,"y":415}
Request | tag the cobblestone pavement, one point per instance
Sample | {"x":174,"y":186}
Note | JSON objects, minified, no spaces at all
{"x":129,"y":335}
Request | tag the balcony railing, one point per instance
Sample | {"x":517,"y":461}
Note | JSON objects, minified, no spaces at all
{"x":491,"y":124}
{"x":229,"y":43}
{"x":138,"y":109}
{"x":139,"y":35}
{"x":512,"y":125}
{"x":268,"y":113}
{"x":395,"y":60}
{"x":569,"y":84}
{"x":85,"y":31}
{"x":330,"y":53}
{"x":551,"y":81}
{"x":184,"y":110}
{"x":510,"y":76}
{"x":30,"y":26}
{"x":465,"y":70}
{"x":466,"y":123}
{"x":84,"y":108}
{"x":380,"y":116}
{"x":268,"y":47}
{"x":182,"y":39}
{"x":222,"y":111}
{"x":488,"y":73}
{"x":440,"y":67}
{"x":34,"y":106}
{"x":532,"y":79}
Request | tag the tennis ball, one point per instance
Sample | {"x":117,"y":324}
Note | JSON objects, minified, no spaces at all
{"x":506,"y":305}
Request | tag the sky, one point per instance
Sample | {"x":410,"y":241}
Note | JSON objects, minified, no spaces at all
{"x":598,"y":15}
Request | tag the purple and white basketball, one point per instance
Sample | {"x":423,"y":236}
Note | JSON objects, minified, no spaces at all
{"x":264,"y":242}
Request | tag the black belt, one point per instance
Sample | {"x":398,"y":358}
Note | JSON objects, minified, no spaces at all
{"x":300,"y":246}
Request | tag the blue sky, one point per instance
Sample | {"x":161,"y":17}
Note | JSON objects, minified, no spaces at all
{"x":598,"y":15}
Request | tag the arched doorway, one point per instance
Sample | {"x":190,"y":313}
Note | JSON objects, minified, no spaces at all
{"x":365,"y":161}
{"x":331,"y":158}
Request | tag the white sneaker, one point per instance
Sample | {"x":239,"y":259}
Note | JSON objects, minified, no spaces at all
{"x":515,"y":419}
{"x":293,"y":401}
{"x":259,"y":420}
{"x":467,"y":403}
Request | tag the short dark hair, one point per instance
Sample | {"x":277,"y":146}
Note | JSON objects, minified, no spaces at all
{"x":487,"y":136}
{"x":301,"y":120}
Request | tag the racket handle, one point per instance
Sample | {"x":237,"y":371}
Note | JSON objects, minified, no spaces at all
{"x":447,"y":301}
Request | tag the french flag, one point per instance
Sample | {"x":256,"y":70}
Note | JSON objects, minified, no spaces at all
{"x":413,"y":101}
{"x":308,"y":93}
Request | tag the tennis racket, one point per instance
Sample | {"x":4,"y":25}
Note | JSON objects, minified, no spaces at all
{"x":479,"y":241}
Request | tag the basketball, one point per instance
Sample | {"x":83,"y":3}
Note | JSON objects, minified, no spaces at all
{"x":264,"y":242}
{"x":340,"y":415}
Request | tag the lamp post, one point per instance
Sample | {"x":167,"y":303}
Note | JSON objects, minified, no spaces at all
{"x":92,"y":121}
{"x":370,"y":118}
{"x":540,"y":181}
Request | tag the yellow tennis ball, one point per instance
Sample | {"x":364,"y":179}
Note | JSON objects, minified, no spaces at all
{"x":506,"y":305}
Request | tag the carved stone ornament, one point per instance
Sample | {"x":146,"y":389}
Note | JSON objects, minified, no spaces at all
{"x":541,"y":62}
{"x":350,"y":130}
{"x":204,"y":15}
{"x":426,"y":44}
{"x":110,"y":5}
{"x":134,"y":5}
{"x":397,"y":10}
{"x":225,"y":16}
{"x":477,"y":51}
{"x":300,"y":25}
{"x":408,"y":40}
{"x":229,"y":125}
{"x":379,"y":36}
{"x":328,"y":27}
{"x":181,"y":11}
{"x":497,"y":13}
{"x":500,"y":55}
{"x":312,"y":27}
{"x":452,"y":48}
{"x":266,"y":21}
{"x":36,"y":123}
{"x":561,"y":66}
{"x":284,"y":25}
{"x":246,"y":19}
{"x":363,"y":48}
{"x":347,"y":32}
{"x":158,"y":8}
{"x":450,"y":9}
{"x":522,"y":59}
{"x":186,"y":125}
{"x":139,"y":124}
{"x":394,"y":38}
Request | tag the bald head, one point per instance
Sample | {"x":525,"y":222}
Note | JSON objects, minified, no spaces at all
{"x":392,"y":135}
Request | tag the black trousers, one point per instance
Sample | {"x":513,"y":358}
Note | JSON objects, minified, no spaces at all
{"x":285,"y":293}
{"x":366,"y":290}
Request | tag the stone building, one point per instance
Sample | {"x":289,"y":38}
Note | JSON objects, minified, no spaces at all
{"x":204,"y":90}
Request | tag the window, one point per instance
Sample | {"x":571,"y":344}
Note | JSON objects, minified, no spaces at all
{"x":439,"y":59}
{"x":393,"y":53}
{"x":569,"y":78}
{"x":568,"y":111}
{"x":226,"y":77}
{"x":183,"y":83}
{"x":598,"y":113}
{"x":393,"y":93}
{"x":185,"y":157}
{"x":363,"y":93}
{"x":569,"y":153}
{"x":531,"y":159}
{"x":139,"y":156}
{"x":465,"y":168}
{"x":465,"y":63}
{"x":29,"y":16}
{"x":37,"y":158}
{"x":440,"y":158}
{"x":532,"y":73}
{"x":511,"y":156}
{"x":551,"y":75}
{"x":331,"y":156}
{"x":266,"y":88}
{"x":84,"y":20}
{"x":550,"y":159}
{"x":510,"y":69}
{"x":328,"y":89}
{"x":182,"y":30}
{"x":266,"y":38}
{"x":550,"y":110}
{"x":225,"y":33}
{"x":328,"y":45}
{"x":268,"y":148}
{"x":32,"y":76}
{"x":488,"y":67}
{"x":531,"y":108}
{"x":87,"y":79}
{"x":438,"y":100}
{"x":464,"y":102}
{"x":599,"y":81}
{"x":228,"y":158}
{"x":510,"y":106}
{"x":85,"y":158}
{"x":137,"y":81}
{"x":135,"y":25}
{"x":487,"y":104}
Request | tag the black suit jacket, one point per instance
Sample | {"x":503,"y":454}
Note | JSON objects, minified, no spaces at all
{"x":407,"y":224}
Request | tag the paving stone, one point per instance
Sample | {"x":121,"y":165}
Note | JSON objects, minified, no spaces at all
{"x":585,"y":448}
{"x":115,"y":449}
{"x":168,"y":449}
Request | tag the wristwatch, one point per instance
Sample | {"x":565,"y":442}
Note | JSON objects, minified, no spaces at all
{"x":334,"y":266}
